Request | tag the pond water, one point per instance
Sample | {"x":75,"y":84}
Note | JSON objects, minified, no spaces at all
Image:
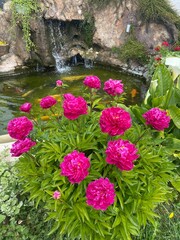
{"x":30,"y":87}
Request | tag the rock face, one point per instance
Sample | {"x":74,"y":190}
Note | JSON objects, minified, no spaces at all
{"x":112,"y":23}
{"x":63,"y":10}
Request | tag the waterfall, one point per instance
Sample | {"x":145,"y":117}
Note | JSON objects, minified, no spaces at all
{"x":56,"y":39}
{"x":74,"y":60}
{"x":88,"y":63}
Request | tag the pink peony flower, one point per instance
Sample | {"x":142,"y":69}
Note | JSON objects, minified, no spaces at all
{"x":47,"y":102}
{"x":113,"y":87}
{"x":59,"y":83}
{"x":115,"y":121}
{"x":19,"y":128}
{"x":121,"y":153}
{"x":74,"y":106}
{"x":100,"y":194}
{"x":157,"y":118}
{"x":165,"y":44}
{"x":75,"y":166}
{"x":56,"y":195}
{"x":26,"y":107}
{"x":21,"y":146}
{"x":92,"y":82}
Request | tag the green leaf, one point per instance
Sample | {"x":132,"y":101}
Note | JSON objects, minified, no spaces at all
{"x":165,"y":81}
{"x":2,"y":218}
{"x":95,"y":102}
{"x":55,"y":227}
{"x":116,"y":222}
{"x":175,"y":115}
{"x":172,"y":143}
{"x":120,"y":198}
{"x":176,"y":183}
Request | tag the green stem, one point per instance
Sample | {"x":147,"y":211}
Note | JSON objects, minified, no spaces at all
{"x":55,"y":115}
{"x":91,"y":100}
{"x":33,"y":158}
{"x":139,"y":138}
{"x":34,"y":120}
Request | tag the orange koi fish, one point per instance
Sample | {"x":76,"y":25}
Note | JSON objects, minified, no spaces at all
{"x":133,"y":92}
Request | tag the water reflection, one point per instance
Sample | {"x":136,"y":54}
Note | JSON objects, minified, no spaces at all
{"x":15,"y":90}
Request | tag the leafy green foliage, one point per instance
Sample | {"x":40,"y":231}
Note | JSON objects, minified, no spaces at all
{"x":157,"y":10}
{"x":138,"y":192}
{"x":167,"y":226}
{"x":163,"y":93}
{"x":87,"y":29}
{"x":132,"y":49}
{"x":9,"y":203}
{"x":22,"y":12}
{"x":19,"y":219}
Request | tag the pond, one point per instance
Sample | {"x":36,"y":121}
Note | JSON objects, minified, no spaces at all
{"x":30,"y":87}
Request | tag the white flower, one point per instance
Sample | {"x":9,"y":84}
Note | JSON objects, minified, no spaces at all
{"x":174,"y":65}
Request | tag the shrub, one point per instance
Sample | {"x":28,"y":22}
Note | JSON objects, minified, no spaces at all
{"x":133,"y":166}
{"x":132,"y":49}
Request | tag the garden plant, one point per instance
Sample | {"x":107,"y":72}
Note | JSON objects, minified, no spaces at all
{"x":100,"y":168}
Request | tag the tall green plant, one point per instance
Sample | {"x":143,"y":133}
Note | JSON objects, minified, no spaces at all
{"x":22,"y":12}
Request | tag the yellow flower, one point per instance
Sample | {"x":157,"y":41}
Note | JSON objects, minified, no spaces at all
{"x":171,"y":215}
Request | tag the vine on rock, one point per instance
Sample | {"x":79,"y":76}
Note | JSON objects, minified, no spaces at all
{"x":22,"y":12}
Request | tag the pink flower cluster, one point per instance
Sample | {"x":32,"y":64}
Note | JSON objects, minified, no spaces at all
{"x":47,"y":102}
{"x":19,"y":128}
{"x":92,"y":82}
{"x":26,"y":107}
{"x":113,"y":87}
{"x":157,"y":118}
{"x":121,"y":153}
{"x":75,"y":166}
{"x":74,"y":106}
{"x":100,"y":194}
{"x":115,"y":121}
{"x":21,"y":146}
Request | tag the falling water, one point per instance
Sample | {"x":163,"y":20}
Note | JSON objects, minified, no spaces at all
{"x":74,"y":60}
{"x":57,"y":46}
{"x":88,"y":63}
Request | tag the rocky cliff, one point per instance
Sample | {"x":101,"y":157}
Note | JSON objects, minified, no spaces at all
{"x":111,"y":29}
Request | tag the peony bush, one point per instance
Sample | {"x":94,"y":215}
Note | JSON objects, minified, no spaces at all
{"x":99,"y":168}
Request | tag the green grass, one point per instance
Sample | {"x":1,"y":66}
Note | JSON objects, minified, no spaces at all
{"x":166,"y":228}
